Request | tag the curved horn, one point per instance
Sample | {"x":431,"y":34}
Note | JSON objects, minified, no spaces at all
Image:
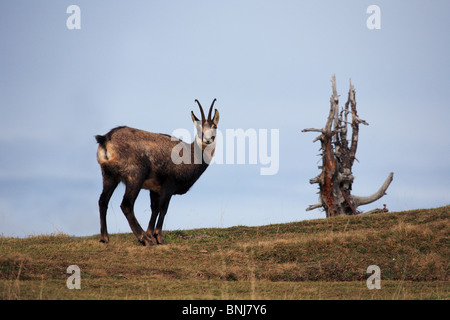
{"x":201,"y":110}
{"x":210,"y":109}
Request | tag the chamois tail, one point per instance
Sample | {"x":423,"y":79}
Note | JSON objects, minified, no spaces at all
{"x":103,"y":154}
{"x":100,"y":139}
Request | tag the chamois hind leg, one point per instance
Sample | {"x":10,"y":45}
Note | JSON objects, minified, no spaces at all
{"x":163,"y":206}
{"x":131,"y":192}
{"x":109,"y":185}
{"x":154,"y":205}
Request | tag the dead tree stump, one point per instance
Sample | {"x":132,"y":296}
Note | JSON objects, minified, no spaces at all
{"x":336,"y":179}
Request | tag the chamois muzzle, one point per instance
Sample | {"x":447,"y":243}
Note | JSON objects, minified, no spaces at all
{"x":209,"y":136}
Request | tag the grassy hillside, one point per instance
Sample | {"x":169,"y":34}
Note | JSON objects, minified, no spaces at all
{"x":316,"y":259}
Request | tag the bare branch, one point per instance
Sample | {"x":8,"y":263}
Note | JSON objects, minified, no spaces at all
{"x":318,"y":138}
{"x":359,"y":120}
{"x":315,"y":130}
{"x":349,"y":202}
{"x":318,"y":179}
{"x":312,"y":130}
{"x":315,"y":206}
{"x":359,"y":201}
{"x":334,"y":107}
{"x":378,"y":210}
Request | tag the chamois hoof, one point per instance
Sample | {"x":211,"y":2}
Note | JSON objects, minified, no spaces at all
{"x":103,"y":240}
{"x":159,"y":239}
{"x":145,"y":240}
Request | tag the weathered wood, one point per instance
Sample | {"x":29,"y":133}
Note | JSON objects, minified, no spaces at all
{"x":336,"y":179}
{"x":359,"y":201}
{"x":378,"y":210}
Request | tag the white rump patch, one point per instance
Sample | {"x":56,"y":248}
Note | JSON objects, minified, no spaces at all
{"x":103,"y":155}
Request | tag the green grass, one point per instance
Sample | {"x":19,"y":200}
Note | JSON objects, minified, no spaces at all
{"x":316,"y":259}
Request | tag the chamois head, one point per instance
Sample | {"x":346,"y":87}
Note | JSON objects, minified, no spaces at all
{"x":206,"y":128}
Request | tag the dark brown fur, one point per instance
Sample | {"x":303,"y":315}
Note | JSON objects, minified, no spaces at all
{"x":142,"y":160}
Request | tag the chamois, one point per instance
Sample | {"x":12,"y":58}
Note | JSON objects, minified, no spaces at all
{"x":145,"y":160}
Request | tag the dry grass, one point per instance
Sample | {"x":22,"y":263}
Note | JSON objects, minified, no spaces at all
{"x":318,"y":259}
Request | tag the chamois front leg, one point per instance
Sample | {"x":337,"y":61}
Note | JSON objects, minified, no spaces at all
{"x":154,"y":205}
{"x":163,"y":206}
{"x":127,"y":206}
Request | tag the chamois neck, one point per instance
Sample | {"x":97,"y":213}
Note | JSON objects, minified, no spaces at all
{"x":201,"y":154}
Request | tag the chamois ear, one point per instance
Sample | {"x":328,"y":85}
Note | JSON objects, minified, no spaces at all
{"x":216,"y":117}
{"x":194,"y":118}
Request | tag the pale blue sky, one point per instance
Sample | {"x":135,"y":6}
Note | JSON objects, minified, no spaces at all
{"x":268,"y":63}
